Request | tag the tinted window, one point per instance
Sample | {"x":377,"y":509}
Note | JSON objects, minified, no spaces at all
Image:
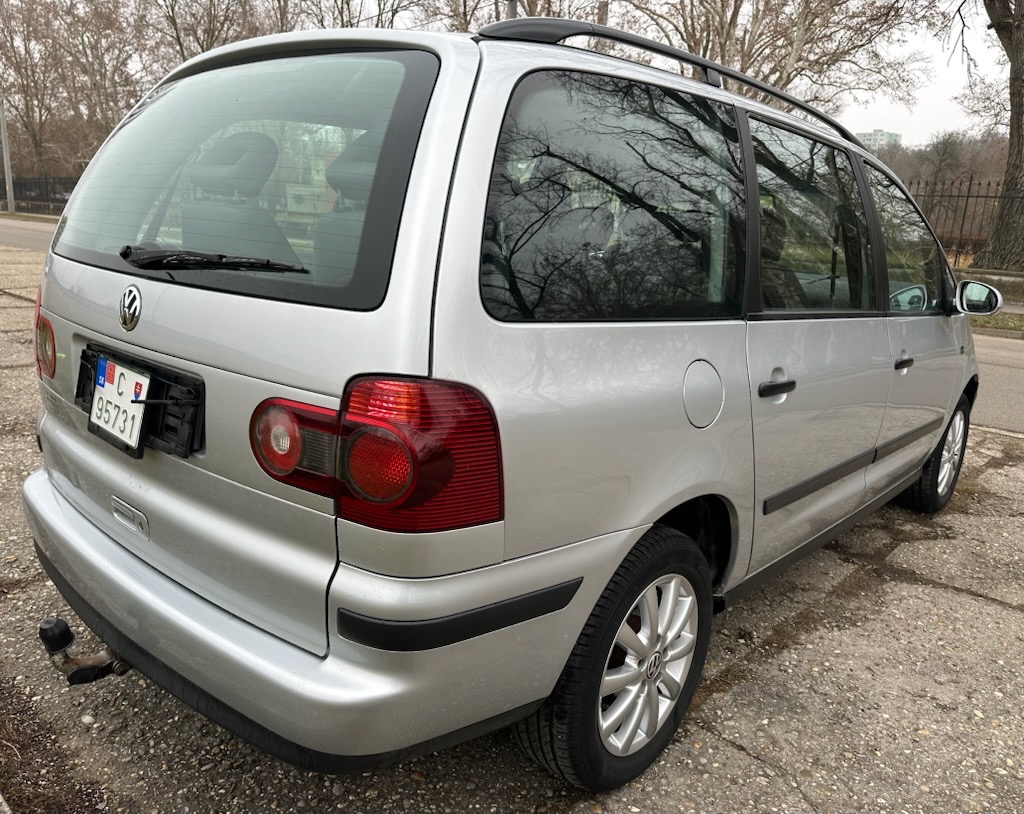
{"x":815,"y":253}
{"x":279,"y":159}
{"x":912,"y":255}
{"x":613,"y":200}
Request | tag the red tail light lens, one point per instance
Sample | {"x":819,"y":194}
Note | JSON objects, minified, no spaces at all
{"x":410,"y":455}
{"x":296,"y":443}
{"x":380,"y":465}
{"x":45,"y":344}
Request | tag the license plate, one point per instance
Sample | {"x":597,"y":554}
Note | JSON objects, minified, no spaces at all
{"x":114,"y":400}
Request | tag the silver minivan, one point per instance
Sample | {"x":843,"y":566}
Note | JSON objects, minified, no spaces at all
{"x":400,"y":386}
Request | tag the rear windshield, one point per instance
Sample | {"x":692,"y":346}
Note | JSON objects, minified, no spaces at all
{"x":297,"y":163}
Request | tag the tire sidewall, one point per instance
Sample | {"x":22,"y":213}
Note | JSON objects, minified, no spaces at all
{"x":939,"y":499}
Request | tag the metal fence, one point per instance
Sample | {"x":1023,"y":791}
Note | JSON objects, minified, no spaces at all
{"x":43,"y":195}
{"x":961,"y":212}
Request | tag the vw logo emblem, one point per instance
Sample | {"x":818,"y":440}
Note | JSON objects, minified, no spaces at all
{"x":654,"y":666}
{"x":131,"y":307}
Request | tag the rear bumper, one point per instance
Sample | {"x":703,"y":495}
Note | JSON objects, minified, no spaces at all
{"x":359,"y":706}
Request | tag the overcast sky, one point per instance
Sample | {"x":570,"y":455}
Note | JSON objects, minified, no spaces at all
{"x":934,"y":111}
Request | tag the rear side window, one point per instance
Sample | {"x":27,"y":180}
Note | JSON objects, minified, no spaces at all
{"x":912,"y":255}
{"x":611,"y":199}
{"x":300,"y":161}
{"x":815,"y":253}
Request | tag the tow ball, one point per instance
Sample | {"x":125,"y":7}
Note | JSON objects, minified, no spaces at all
{"x":57,"y":638}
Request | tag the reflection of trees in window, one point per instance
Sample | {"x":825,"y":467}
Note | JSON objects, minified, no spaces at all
{"x":612,"y":199}
{"x":814,"y":241}
{"x":911,"y":253}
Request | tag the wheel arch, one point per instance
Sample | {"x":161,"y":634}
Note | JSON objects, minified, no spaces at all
{"x":710,"y":521}
{"x":971,"y":390}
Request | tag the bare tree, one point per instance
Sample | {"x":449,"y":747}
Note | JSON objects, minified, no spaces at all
{"x":103,"y":72}
{"x":824,"y":50}
{"x":357,"y":13}
{"x":190,"y":27}
{"x":1005,"y":249}
{"x":31,"y":73}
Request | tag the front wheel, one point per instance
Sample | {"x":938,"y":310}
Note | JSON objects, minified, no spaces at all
{"x":633,"y":671}
{"x":942,"y":469}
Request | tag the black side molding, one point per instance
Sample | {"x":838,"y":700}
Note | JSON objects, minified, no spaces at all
{"x":830,"y":476}
{"x":428,"y":634}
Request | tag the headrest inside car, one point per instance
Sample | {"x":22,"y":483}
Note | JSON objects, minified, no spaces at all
{"x":239,"y":164}
{"x":351,"y":173}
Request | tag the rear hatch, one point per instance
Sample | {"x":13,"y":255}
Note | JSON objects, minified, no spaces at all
{"x":237,"y":240}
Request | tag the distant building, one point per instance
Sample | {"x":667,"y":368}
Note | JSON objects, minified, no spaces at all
{"x":877,"y":139}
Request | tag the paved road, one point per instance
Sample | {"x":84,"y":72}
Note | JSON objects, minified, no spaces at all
{"x":26,"y":234}
{"x":1001,"y":395}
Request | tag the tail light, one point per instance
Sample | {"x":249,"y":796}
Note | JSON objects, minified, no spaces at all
{"x":45,"y":344}
{"x":410,"y":455}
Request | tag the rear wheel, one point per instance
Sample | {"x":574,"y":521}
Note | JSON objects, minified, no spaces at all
{"x":634,"y":669}
{"x":942,"y":469}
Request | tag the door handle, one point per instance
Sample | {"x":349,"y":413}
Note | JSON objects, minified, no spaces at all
{"x":902,"y":364}
{"x":768,"y":389}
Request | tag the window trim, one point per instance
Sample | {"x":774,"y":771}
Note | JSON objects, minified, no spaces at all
{"x":755,"y":310}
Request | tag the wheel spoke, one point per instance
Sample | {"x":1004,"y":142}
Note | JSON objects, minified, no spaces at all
{"x":649,"y":619}
{"x":627,"y":638}
{"x":681,"y":647}
{"x":653,"y":706}
{"x":618,"y":679}
{"x":668,"y":610}
{"x":685,"y":608}
{"x":612,"y":718}
{"x":672,"y":687}
{"x":632,"y":724}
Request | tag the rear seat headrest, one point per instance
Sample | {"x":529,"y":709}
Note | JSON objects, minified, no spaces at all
{"x":351,"y":173}
{"x":240,"y":163}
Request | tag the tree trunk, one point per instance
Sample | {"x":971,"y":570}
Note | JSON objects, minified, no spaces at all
{"x":1005,"y":248}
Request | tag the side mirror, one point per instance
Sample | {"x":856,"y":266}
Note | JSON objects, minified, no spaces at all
{"x":977,"y":299}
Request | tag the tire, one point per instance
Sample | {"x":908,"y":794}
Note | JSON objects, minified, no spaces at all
{"x":934,"y":488}
{"x":600,"y":742}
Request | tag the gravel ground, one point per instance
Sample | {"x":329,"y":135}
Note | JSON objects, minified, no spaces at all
{"x":882,"y":673}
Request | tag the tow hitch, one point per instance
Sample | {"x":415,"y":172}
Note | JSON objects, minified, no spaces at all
{"x":57,"y":638}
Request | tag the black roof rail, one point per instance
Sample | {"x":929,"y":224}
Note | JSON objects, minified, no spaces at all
{"x":552,"y":30}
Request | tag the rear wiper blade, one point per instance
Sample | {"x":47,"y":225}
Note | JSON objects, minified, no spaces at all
{"x":178,"y":258}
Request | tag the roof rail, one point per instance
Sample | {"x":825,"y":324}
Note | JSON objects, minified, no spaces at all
{"x":552,"y":30}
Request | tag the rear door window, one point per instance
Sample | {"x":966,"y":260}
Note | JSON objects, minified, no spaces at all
{"x":612,"y":199}
{"x":280,"y":161}
{"x":815,"y":251}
